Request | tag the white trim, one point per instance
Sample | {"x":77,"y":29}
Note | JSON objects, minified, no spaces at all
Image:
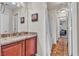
{"x":37,"y":55}
{"x":69,"y":29}
{"x":74,"y":28}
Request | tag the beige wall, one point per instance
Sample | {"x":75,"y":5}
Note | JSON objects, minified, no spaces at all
{"x":52,"y":18}
{"x":38,"y":26}
{"x":22,"y":12}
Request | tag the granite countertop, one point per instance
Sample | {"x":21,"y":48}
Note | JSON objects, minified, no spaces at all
{"x":8,"y":40}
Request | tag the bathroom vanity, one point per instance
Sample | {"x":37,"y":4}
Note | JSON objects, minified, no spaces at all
{"x":21,"y":45}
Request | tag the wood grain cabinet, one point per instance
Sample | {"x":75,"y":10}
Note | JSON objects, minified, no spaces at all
{"x":14,"y":49}
{"x":31,"y":46}
{"x":27,"y":47}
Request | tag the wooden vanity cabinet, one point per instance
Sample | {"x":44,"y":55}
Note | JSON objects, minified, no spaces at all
{"x":14,"y":49}
{"x":28,"y":47}
{"x":31,"y":46}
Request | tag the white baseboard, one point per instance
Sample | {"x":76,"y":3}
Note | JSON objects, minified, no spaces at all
{"x":37,"y":54}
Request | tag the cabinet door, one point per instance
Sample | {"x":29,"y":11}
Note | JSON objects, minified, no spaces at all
{"x":30,"y":46}
{"x":15,"y":49}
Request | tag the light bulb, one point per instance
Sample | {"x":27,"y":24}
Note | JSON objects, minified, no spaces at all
{"x":21,"y":2}
{"x":18,"y":4}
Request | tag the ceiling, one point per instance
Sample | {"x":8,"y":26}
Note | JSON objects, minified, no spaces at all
{"x":53,"y":5}
{"x":12,"y":6}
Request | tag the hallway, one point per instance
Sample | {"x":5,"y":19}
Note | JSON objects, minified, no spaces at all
{"x":60,"y":48}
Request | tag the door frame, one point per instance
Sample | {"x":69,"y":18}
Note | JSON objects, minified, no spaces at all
{"x":72,"y":42}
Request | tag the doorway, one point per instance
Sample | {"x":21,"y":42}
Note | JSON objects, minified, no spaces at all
{"x":61,"y":24}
